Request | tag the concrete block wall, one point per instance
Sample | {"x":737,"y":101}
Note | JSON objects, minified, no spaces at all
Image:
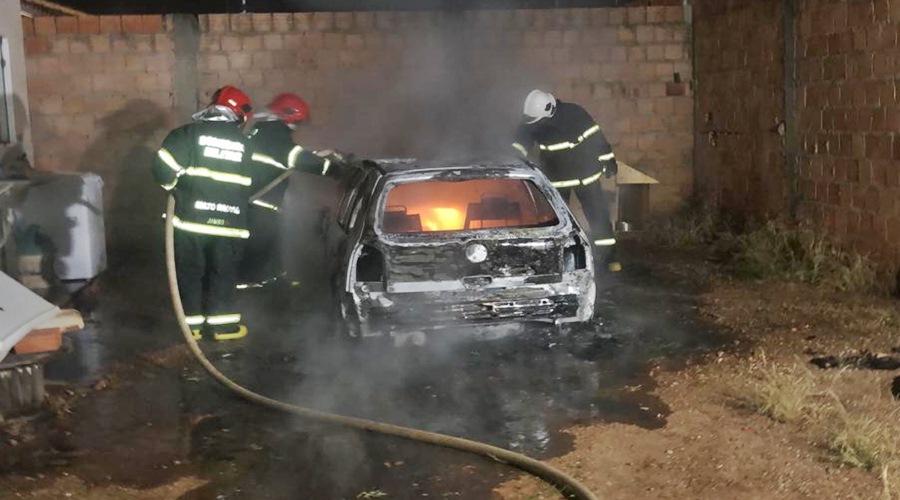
{"x":420,"y":83}
{"x":847,"y":111}
{"x":740,"y":99}
{"x":849,"y":119}
{"x":105,"y":90}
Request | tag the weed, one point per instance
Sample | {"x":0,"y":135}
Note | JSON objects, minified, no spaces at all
{"x":784,"y":394}
{"x":865,"y":441}
{"x":772,"y":250}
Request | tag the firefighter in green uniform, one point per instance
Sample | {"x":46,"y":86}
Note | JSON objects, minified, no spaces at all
{"x":275,"y":156}
{"x":205,"y":166}
{"x":575,"y":155}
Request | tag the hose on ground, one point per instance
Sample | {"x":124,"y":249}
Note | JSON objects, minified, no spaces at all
{"x":564,"y":483}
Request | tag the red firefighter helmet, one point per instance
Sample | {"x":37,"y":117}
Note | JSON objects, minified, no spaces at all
{"x":234,"y":99}
{"x":290,"y":108}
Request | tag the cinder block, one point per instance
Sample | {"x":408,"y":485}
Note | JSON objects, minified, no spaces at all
{"x":599,"y":16}
{"x":282,"y":22}
{"x":674,"y":14}
{"x":303,"y":21}
{"x":355,"y":41}
{"x":323,"y":21}
{"x":79,"y":46}
{"x":151,"y":24}
{"x":27,"y":26}
{"x":216,"y":62}
{"x":523,"y":19}
{"x":239,"y":60}
{"x":343,"y":21}
{"x":100,"y":44}
{"x":262,"y":23}
{"x":219,"y":23}
{"x":364,"y":20}
{"x":45,"y":25}
{"x":131,"y":24}
{"x":674,"y":52}
{"x":36,"y":46}
{"x":656,"y":52}
{"x":636,"y":15}
{"x":231,"y":43}
{"x":644,"y":34}
{"x":240,"y":23}
{"x":553,"y":38}
{"x":637,"y":54}
{"x":58,"y":45}
{"x":252,"y":43}
{"x":66,"y":25}
{"x":384,"y":20}
{"x":626,"y":35}
{"x":273,"y":41}
{"x":334,"y":40}
{"x":617,"y":15}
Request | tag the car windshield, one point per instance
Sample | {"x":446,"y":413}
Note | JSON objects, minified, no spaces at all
{"x":473,"y":204}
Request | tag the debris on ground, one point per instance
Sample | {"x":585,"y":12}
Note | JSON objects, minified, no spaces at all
{"x":859,"y":359}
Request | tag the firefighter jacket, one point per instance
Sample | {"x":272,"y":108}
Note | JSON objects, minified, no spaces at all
{"x":274,"y":153}
{"x":573,"y":150}
{"x":205,"y":166}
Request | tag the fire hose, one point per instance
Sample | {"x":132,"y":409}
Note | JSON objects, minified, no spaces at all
{"x":564,"y":483}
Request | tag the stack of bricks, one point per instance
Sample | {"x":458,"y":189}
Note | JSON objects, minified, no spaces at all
{"x":738,"y":57}
{"x":850,"y":121}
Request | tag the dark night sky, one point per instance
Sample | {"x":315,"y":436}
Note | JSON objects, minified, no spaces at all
{"x":215,"y":6}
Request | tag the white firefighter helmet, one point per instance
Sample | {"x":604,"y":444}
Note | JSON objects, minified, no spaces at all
{"x":539,"y":104}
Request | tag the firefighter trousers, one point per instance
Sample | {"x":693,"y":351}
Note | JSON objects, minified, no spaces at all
{"x":595,"y":206}
{"x":207,"y":274}
{"x":261,"y":258}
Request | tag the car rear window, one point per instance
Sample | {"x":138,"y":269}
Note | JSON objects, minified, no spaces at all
{"x":441,"y":206}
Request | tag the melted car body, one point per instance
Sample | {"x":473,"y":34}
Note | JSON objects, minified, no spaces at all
{"x":435,"y":245}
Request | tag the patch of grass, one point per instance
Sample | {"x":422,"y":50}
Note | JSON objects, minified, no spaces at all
{"x":778,"y":250}
{"x":865,"y":441}
{"x":774,"y":249}
{"x":786,"y":394}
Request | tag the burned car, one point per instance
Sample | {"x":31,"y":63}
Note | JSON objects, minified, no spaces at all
{"x":426,"y":246}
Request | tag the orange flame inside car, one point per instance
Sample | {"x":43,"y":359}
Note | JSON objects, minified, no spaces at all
{"x":442,"y":219}
{"x":431,"y":206}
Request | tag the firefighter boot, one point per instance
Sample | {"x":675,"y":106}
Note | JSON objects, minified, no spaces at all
{"x":605,"y":260}
{"x":238,"y":333}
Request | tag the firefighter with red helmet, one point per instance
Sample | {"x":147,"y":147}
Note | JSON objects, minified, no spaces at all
{"x":577,"y":158}
{"x":205,"y":165}
{"x":275,"y":157}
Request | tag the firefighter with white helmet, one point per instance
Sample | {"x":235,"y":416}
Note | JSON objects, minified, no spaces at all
{"x":205,"y":166}
{"x":577,"y":158}
{"x":275,"y":157}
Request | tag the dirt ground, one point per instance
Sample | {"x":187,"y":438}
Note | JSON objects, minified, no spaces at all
{"x":716,"y":444}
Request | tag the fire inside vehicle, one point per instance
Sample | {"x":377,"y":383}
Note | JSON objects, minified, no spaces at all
{"x":426,"y":246}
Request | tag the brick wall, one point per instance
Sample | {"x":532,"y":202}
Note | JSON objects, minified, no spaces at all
{"x":847,"y":109}
{"x":386,"y":83}
{"x":849,"y":120}
{"x":740,"y":76}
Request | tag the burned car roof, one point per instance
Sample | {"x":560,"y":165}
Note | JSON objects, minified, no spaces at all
{"x":404,"y":166}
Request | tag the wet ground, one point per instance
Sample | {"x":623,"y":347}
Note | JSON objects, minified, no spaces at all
{"x":159,"y":418}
